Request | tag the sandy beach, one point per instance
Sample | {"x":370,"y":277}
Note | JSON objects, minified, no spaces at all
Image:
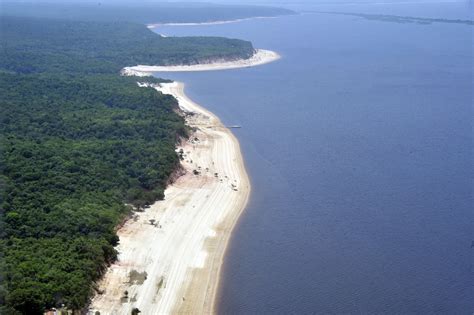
{"x":170,"y":255}
{"x":172,"y":265}
{"x":260,"y":57}
{"x":155,"y":25}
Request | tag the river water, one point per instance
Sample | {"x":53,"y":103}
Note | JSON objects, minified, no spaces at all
{"x":359,"y":147}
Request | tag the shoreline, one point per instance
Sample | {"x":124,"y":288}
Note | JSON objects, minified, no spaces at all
{"x":174,"y":266}
{"x":217,"y":246}
{"x":155,"y":25}
{"x":171,"y":255}
{"x":260,"y":57}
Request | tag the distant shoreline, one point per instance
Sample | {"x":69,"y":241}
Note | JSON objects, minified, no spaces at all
{"x":260,"y":57}
{"x":397,"y":18}
{"x":155,"y":25}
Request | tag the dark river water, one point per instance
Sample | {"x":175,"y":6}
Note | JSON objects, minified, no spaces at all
{"x":359,"y":145}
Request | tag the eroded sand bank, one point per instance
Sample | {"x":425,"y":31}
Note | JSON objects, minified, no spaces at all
{"x":260,"y":57}
{"x":172,"y":266}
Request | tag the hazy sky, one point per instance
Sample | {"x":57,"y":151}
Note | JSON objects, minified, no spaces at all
{"x":460,"y":8}
{"x":271,"y":2}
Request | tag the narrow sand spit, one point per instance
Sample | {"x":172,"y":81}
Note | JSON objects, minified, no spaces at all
{"x":172,"y":266}
{"x":208,"y":23}
{"x":260,"y":57}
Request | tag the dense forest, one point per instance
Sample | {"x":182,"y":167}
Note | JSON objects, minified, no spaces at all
{"x":80,"y":147}
{"x":144,"y":12}
{"x":32,"y":45}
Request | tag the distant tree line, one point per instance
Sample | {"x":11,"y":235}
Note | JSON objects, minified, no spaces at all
{"x":140,"y":12}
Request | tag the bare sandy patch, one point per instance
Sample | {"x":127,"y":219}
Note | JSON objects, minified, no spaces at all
{"x":170,"y":255}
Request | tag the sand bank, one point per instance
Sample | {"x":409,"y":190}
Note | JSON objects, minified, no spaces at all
{"x":260,"y":57}
{"x":172,"y":265}
{"x":155,"y":25}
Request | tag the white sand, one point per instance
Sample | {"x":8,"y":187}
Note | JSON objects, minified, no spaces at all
{"x":183,"y":256}
{"x":260,"y":57}
{"x":209,"y":23}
